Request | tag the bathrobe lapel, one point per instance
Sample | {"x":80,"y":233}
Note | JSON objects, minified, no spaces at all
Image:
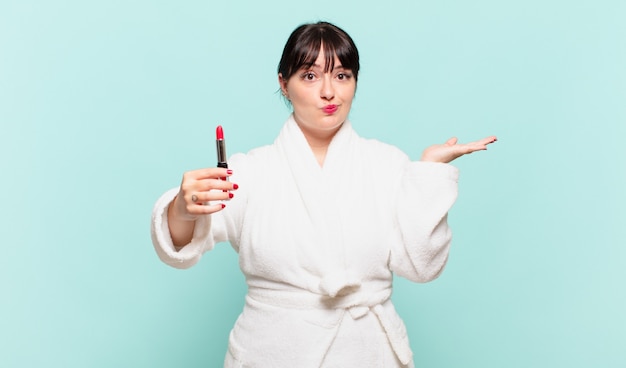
{"x":324,"y":192}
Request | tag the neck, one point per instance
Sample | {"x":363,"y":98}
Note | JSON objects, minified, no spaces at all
{"x":319,"y":152}
{"x":319,"y":142}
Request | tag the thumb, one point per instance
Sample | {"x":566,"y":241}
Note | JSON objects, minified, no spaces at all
{"x":452,"y":141}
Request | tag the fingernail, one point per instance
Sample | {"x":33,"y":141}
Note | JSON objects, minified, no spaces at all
{"x":223,"y":205}
{"x":235,"y":186}
{"x":229,"y":171}
{"x":230,"y":195}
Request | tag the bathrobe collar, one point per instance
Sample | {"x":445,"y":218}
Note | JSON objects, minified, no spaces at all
{"x":325,"y":193}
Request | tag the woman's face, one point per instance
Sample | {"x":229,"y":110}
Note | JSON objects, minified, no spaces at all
{"x":321,"y":101}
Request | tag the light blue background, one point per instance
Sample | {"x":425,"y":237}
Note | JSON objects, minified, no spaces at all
{"x":103,"y":105}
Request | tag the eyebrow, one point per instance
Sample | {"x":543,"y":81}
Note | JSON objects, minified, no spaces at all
{"x":336,"y":66}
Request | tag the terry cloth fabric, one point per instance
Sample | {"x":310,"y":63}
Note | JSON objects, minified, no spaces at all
{"x":318,"y":247}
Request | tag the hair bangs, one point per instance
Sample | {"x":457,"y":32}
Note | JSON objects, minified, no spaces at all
{"x":304,"y":45}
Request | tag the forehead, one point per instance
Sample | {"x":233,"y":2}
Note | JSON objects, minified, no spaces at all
{"x":321,"y":61}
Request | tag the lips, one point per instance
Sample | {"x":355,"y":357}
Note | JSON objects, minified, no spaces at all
{"x":330,"y":109}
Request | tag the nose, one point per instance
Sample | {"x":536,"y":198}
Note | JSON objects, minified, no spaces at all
{"x":328,"y":90}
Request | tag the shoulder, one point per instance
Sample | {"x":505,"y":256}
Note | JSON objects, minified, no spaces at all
{"x":254,"y":161}
{"x":255,"y":155}
{"x":382,"y":153}
{"x":378,"y":146}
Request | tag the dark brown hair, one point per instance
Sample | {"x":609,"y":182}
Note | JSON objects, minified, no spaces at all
{"x":304,"y":44}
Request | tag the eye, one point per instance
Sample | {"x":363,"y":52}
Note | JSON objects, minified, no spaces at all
{"x":309,"y":76}
{"x":344,"y":76}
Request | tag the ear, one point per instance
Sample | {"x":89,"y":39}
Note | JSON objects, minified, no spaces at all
{"x":283,"y":84}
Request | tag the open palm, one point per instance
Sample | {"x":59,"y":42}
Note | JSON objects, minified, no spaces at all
{"x":452,"y":150}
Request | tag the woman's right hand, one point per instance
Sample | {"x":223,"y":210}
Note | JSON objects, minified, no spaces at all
{"x":198,"y":189}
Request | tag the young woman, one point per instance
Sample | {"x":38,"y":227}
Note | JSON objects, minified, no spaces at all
{"x":321,"y":220}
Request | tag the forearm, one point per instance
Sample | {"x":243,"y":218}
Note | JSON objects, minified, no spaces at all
{"x":427,"y":193}
{"x":181,"y":230}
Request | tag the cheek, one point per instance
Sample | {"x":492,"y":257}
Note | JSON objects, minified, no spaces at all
{"x":299,"y":96}
{"x":348,"y":93}
{"x":347,"y":99}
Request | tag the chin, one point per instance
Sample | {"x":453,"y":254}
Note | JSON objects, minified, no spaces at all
{"x":326,"y":123}
{"x":333,"y":121}
{"x":328,"y":126}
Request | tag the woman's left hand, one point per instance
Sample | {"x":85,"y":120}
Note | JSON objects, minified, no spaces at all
{"x":452,"y":150}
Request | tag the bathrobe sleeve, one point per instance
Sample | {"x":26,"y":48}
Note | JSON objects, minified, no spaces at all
{"x":426,"y":192}
{"x":162,"y":240}
{"x":211,"y":229}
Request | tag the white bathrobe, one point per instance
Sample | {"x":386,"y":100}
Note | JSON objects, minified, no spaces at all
{"x":318,"y":246}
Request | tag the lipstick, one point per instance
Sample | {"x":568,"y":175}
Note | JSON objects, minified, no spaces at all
{"x":330,"y":109}
{"x":220,"y":144}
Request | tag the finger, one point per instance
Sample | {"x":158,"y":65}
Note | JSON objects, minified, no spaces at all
{"x":488,"y":140}
{"x":207,"y":209}
{"x":452,"y":141}
{"x":208,"y":173}
{"x":476,"y":146}
{"x":479,"y":145}
{"x":206,"y":185}
{"x":203,"y":185}
{"x":201,"y":198}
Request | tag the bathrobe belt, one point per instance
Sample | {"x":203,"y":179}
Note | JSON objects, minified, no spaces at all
{"x":351,"y":298}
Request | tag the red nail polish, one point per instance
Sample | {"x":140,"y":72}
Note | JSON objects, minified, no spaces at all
{"x":229,"y":171}
{"x":230,"y":195}
{"x":235,"y":186}
{"x":223,"y":205}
